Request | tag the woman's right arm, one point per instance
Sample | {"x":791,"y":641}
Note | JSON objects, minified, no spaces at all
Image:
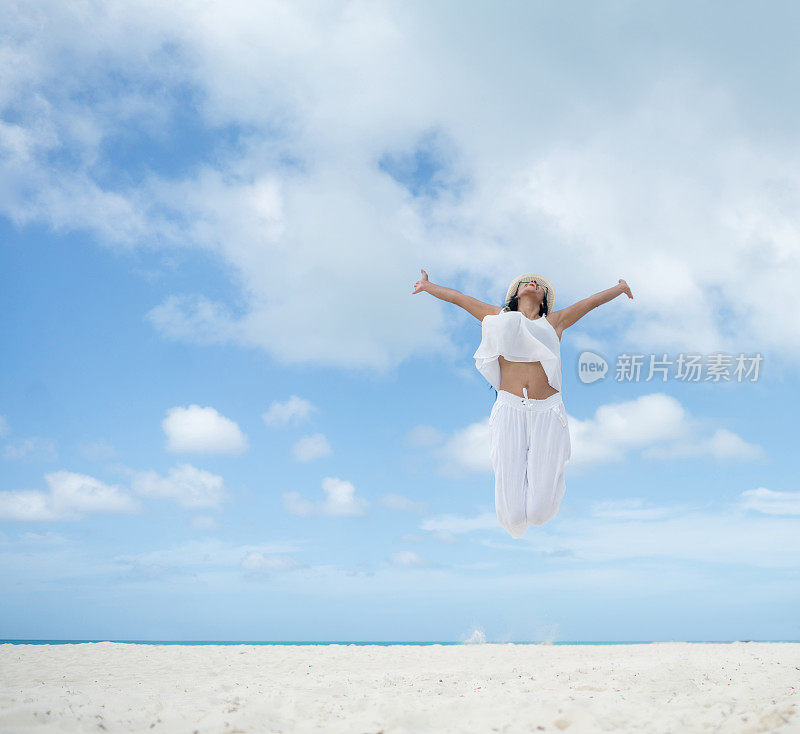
{"x":477,"y":308}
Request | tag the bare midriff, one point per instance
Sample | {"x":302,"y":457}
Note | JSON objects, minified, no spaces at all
{"x":516,"y":375}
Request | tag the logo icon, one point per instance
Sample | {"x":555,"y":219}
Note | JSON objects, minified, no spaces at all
{"x":591,"y":367}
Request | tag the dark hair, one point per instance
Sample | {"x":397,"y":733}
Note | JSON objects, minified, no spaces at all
{"x":513,"y":305}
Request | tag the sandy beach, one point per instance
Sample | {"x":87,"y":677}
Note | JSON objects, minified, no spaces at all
{"x":659,"y":687}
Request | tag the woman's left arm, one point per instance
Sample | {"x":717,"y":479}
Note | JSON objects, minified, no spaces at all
{"x":566,"y":317}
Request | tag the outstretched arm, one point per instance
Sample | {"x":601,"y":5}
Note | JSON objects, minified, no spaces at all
{"x":566,"y":317}
{"x":477,"y":308}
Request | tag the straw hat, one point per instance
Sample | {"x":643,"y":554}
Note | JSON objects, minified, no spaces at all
{"x":541,"y":280}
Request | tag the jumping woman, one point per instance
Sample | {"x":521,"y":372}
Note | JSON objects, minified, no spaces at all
{"x":520,"y":356}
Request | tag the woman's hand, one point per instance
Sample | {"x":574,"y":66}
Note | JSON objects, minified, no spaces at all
{"x":422,"y":283}
{"x":625,"y":288}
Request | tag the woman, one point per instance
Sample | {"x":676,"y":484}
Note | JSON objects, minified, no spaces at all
{"x":520,"y":356}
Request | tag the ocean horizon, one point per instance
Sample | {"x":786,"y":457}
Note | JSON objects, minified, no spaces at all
{"x":382,"y":642}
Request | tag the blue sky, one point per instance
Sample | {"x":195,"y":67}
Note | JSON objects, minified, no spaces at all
{"x":224,"y":415}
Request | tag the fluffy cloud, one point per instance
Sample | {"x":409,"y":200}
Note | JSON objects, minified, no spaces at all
{"x":255,"y":561}
{"x":456,"y":525}
{"x":656,"y":426}
{"x":408,"y":559}
{"x":291,"y":411}
{"x":635,"y":508}
{"x":465,"y":450}
{"x":295,"y":504}
{"x":26,"y":505}
{"x":723,"y":445}
{"x":70,"y":497}
{"x":214,"y":552}
{"x":423,"y":437}
{"x":31,"y":449}
{"x":190,"y":487}
{"x":202,"y":430}
{"x":339,"y":108}
{"x":311,"y":447}
{"x":769,"y":502}
{"x":340,"y":499}
{"x":659,"y":427}
{"x":759,"y":528}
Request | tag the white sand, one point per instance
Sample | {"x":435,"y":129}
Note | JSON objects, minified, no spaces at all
{"x":661,"y":687}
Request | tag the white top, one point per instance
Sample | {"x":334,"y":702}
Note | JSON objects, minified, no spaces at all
{"x":519,"y":339}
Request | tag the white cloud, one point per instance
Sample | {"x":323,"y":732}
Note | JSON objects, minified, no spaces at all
{"x":726,"y":536}
{"x":408,"y":559}
{"x":723,"y":445}
{"x":31,"y":449}
{"x":635,"y":508}
{"x":696,"y":188}
{"x":457,"y":525}
{"x":255,"y":561}
{"x":193,"y":318}
{"x":311,"y":447}
{"x":401,"y":504}
{"x":291,"y":411}
{"x":655,"y":425}
{"x":295,"y":504}
{"x":340,"y":499}
{"x":70,"y":497}
{"x":190,"y":487}
{"x":617,"y":428}
{"x":5,"y":429}
{"x":465,"y":450}
{"x":770,"y":502}
{"x":640,"y":175}
{"x":582,"y":340}
{"x":633,"y":528}
{"x":659,"y":427}
{"x":445,"y":536}
{"x":761,"y":528}
{"x":202,"y":430}
{"x":84,"y":494}
{"x":26,"y":505}
{"x":210,"y":552}
{"x":423,"y":437}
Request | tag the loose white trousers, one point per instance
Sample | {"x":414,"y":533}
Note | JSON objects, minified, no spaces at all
{"x":530,"y":447}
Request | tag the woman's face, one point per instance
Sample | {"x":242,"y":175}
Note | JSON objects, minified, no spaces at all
{"x":532,"y":287}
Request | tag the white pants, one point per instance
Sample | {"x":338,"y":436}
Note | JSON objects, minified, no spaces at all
{"x":530,"y":446}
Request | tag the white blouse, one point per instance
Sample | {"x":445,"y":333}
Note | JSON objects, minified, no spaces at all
{"x":519,"y":339}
